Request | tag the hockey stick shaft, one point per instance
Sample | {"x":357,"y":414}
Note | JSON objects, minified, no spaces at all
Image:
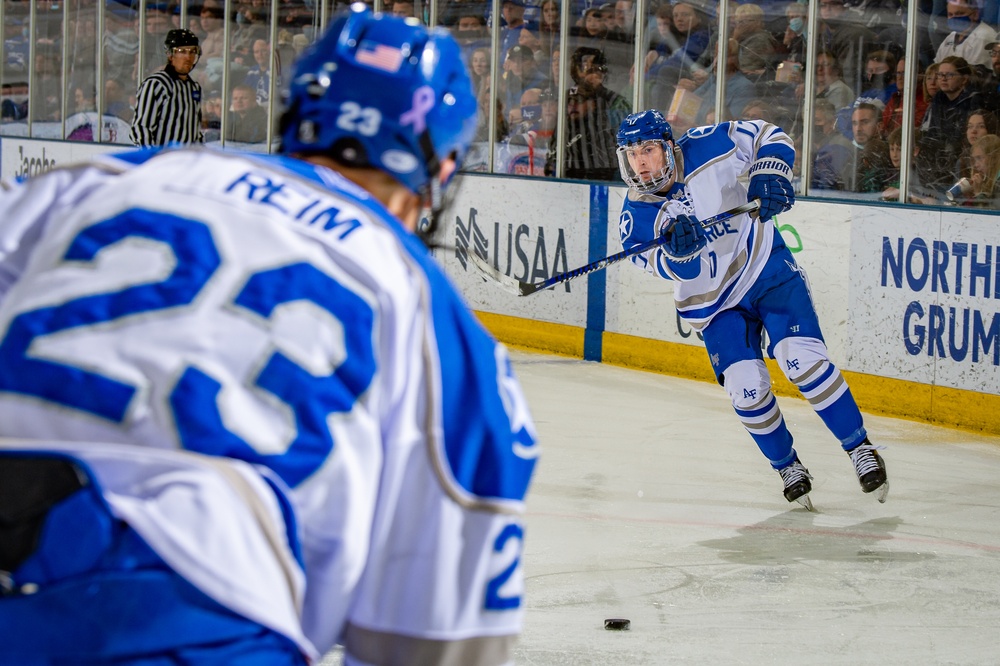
{"x":528,"y":288}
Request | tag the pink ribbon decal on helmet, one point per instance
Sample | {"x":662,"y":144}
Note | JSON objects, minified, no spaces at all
{"x":423,"y":102}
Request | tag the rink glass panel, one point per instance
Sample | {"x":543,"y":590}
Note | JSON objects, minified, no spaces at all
{"x":88,"y":55}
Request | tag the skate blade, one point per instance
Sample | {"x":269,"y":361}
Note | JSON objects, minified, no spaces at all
{"x":805,"y":501}
{"x":882,"y":492}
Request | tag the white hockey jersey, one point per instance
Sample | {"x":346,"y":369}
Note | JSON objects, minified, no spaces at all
{"x":710,"y":162}
{"x":265,"y":309}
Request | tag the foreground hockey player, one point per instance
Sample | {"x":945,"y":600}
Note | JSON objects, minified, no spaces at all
{"x":246,"y":416}
{"x":737,"y":279}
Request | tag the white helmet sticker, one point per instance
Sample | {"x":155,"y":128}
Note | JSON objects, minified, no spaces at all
{"x":399,"y":161}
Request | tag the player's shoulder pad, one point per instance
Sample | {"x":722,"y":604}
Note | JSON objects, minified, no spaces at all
{"x":701,"y":145}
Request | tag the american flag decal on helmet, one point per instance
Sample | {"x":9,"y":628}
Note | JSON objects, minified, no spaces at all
{"x":379,"y":56}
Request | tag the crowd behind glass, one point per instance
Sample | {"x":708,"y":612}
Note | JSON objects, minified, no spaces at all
{"x":895,"y":101}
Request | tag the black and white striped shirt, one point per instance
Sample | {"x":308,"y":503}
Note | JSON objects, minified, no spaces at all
{"x":167,"y":109}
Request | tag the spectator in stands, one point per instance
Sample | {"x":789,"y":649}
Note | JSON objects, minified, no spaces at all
{"x":946,"y":117}
{"x":694,"y":37}
{"x":694,"y":31}
{"x":525,"y":152}
{"x":16,"y":45}
{"x":116,"y":101}
{"x":931,"y":86}
{"x":663,"y":43}
{"x":919,"y":193}
{"x":299,"y":44}
{"x":551,"y":81}
{"x":247,"y":122}
{"x":259,"y":76}
{"x":969,"y":36}
{"x":254,"y":12}
{"x":530,"y":39}
{"x":624,"y":20}
{"x":880,"y":74}
{"x":979,"y":124}
{"x":740,"y":91}
{"x":794,"y":40}
{"x":593,"y":115}
{"x":121,"y":43}
{"x":990,"y":84}
{"x":592,"y":30}
{"x":158,"y":23}
{"x":295,"y":14}
{"x":520,"y":73}
{"x":548,"y":25}
{"x":832,"y":151}
{"x":450,"y":11}
{"x":46,"y":89}
{"x":533,"y":116}
{"x":871,"y":157}
{"x":84,"y":99}
{"x":211,"y":116}
{"x":14,"y":106}
{"x":757,"y":109}
{"x":892,"y":117}
{"x":756,"y":45}
{"x":829,"y":84}
{"x":512,"y":12}
{"x":213,"y":24}
{"x":403,"y":8}
{"x":82,"y":50}
{"x":847,"y":40}
{"x":892,"y":37}
{"x":608,"y":14}
{"x":470,"y":31}
{"x":986,"y":172}
{"x":479,"y":68}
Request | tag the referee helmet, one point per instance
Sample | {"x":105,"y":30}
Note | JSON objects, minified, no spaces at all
{"x":178,"y":38}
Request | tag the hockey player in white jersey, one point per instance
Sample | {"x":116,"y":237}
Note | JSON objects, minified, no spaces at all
{"x":736,"y":279}
{"x":245,"y":417}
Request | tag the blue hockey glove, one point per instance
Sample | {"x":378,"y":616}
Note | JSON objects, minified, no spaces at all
{"x":769,"y":182}
{"x":685,"y":238}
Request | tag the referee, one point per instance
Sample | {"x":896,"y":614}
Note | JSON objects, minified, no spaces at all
{"x":168,"y":105}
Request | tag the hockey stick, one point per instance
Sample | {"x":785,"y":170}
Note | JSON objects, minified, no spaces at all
{"x":519,"y":288}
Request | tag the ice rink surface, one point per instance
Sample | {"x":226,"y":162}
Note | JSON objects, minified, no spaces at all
{"x":651,"y":502}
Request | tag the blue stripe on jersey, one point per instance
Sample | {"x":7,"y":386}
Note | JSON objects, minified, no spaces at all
{"x":783,"y":152}
{"x":593,"y":335}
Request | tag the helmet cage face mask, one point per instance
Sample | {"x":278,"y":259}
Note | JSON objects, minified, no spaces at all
{"x":655,"y":181}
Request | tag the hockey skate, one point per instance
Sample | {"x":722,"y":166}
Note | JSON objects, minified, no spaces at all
{"x":871,"y":469}
{"x":797,"y":485}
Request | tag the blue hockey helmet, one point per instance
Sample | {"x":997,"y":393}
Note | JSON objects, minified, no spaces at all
{"x":645,"y":156}
{"x":382,"y":92}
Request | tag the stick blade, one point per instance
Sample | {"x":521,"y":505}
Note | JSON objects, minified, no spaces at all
{"x":491,"y":274}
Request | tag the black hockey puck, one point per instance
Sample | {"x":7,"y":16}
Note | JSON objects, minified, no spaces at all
{"x":617,"y":623}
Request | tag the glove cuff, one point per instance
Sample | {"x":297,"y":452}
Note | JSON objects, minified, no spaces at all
{"x":770,"y":166}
